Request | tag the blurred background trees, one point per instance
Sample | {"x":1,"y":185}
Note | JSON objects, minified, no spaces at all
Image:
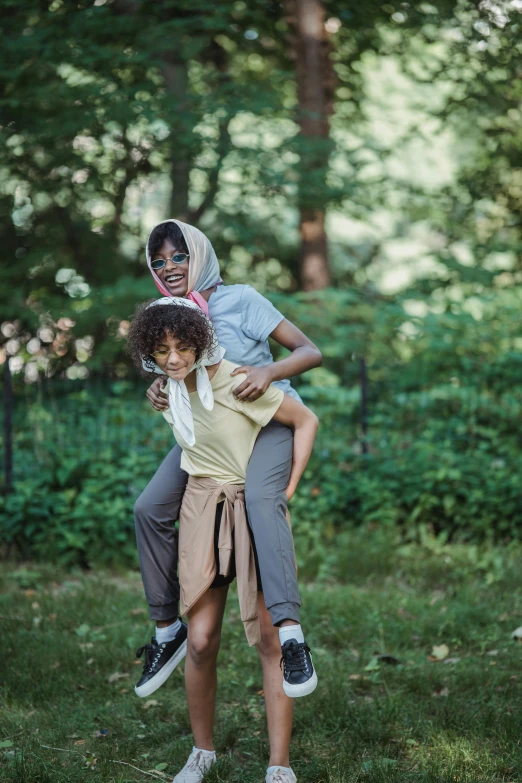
{"x":359,"y":163}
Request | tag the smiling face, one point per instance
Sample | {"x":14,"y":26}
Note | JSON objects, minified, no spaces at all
{"x":174,"y":277}
{"x":174,"y":357}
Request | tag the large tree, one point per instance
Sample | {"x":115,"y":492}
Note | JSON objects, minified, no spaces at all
{"x":117,"y":113}
{"x":315,"y":77}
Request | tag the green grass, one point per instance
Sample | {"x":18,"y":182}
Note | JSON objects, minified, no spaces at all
{"x":65,"y":638}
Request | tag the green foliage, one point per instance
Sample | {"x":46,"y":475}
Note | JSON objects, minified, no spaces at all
{"x":80,"y":512}
{"x":442,"y":449}
{"x":79,"y":479}
{"x":140,"y":110}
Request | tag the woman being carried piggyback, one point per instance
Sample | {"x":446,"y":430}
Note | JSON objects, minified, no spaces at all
{"x":217,"y":432}
{"x":182,"y":262}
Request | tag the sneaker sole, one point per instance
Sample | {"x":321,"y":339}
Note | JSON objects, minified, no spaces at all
{"x":162,"y":676}
{"x":303,"y":689}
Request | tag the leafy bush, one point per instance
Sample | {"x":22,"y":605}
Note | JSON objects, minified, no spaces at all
{"x":79,"y":472}
{"x":443,"y":446}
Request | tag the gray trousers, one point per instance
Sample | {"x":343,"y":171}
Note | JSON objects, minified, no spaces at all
{"x":157,"y":508}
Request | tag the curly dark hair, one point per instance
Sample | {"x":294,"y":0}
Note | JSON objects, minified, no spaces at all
{"x":150,"y":325}
{"x":166,"y":231}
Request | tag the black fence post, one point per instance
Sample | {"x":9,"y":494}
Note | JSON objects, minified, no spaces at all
{"x":364,"y":404}
{"x":8,"y":427}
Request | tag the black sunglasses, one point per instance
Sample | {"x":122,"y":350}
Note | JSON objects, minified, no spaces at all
{"x":159,"y":263}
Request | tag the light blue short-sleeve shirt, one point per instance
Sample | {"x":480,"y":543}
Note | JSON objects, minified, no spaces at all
{"x":243,"y":319}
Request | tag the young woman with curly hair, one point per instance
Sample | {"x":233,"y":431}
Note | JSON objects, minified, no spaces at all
{"x":183,"y":264}
{"x":217,"y":432}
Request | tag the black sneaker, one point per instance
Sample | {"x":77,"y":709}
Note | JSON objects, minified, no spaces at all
{"x":299,"y":677}
{"x":160,"y":661}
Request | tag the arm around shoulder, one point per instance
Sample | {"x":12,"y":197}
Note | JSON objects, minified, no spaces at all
{"x":304,"y":356}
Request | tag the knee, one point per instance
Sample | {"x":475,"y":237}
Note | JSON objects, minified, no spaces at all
{"x":269,"y":646}
{"x":202,"y":646}
{"x":258,"y":500}
{"x":141,"y":510}
{"x":253,"y":496}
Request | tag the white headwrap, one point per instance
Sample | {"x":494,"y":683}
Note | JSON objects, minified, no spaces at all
{"x":179,"y":399}
{"x":203,"y":266}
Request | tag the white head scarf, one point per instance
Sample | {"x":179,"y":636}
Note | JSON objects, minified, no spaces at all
{"x":179,"y":399}
{"x":203,"y":264}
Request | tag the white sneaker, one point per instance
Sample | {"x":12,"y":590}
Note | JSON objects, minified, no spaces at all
{"x":197,"y":766}
{"x":280,"y":775}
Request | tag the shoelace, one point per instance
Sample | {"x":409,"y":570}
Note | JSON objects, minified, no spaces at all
{"x":195,"y":763}
{"x":279,"y":777}
{"x":149,"y":651}
{"x":293,"y":656}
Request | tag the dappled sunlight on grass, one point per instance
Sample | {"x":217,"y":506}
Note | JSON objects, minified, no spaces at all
{"x":463,"y":758}
{"x":419,"y":680}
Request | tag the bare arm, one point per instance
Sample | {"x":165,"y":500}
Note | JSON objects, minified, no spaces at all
{"x":305,"y":424}
{"x":305,"y":356}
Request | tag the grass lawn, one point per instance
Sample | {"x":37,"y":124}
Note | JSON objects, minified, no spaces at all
{"x":68,"y":711}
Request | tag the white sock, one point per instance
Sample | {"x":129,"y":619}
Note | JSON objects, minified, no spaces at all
{"x":202,"y":750}
{"x":168,"y":633}
{"x":287,"y":632}
{"x":278,"y":766}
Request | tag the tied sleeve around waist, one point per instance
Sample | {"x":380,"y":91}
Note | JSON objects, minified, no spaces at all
{"x":197,"y":565}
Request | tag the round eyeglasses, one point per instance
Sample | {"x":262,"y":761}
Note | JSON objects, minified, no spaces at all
{"x":159,"y":263}
{"x":164,"y":353}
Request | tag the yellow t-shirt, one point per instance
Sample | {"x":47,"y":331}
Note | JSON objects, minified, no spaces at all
{"x":225,"y":436}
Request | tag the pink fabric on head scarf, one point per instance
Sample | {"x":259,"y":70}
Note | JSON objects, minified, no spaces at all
{"x":203,"y":264}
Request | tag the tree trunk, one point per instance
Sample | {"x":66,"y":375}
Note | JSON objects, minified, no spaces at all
{"x":175,"y":73}
{"x":363,"y":371}
{"x":315,"y":270}
{"x":8,"y":427}
{"x":314,"y":75}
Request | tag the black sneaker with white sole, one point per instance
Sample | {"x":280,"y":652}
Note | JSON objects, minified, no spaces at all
{"x":160,"y":661}
{"x":299,"y":677}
